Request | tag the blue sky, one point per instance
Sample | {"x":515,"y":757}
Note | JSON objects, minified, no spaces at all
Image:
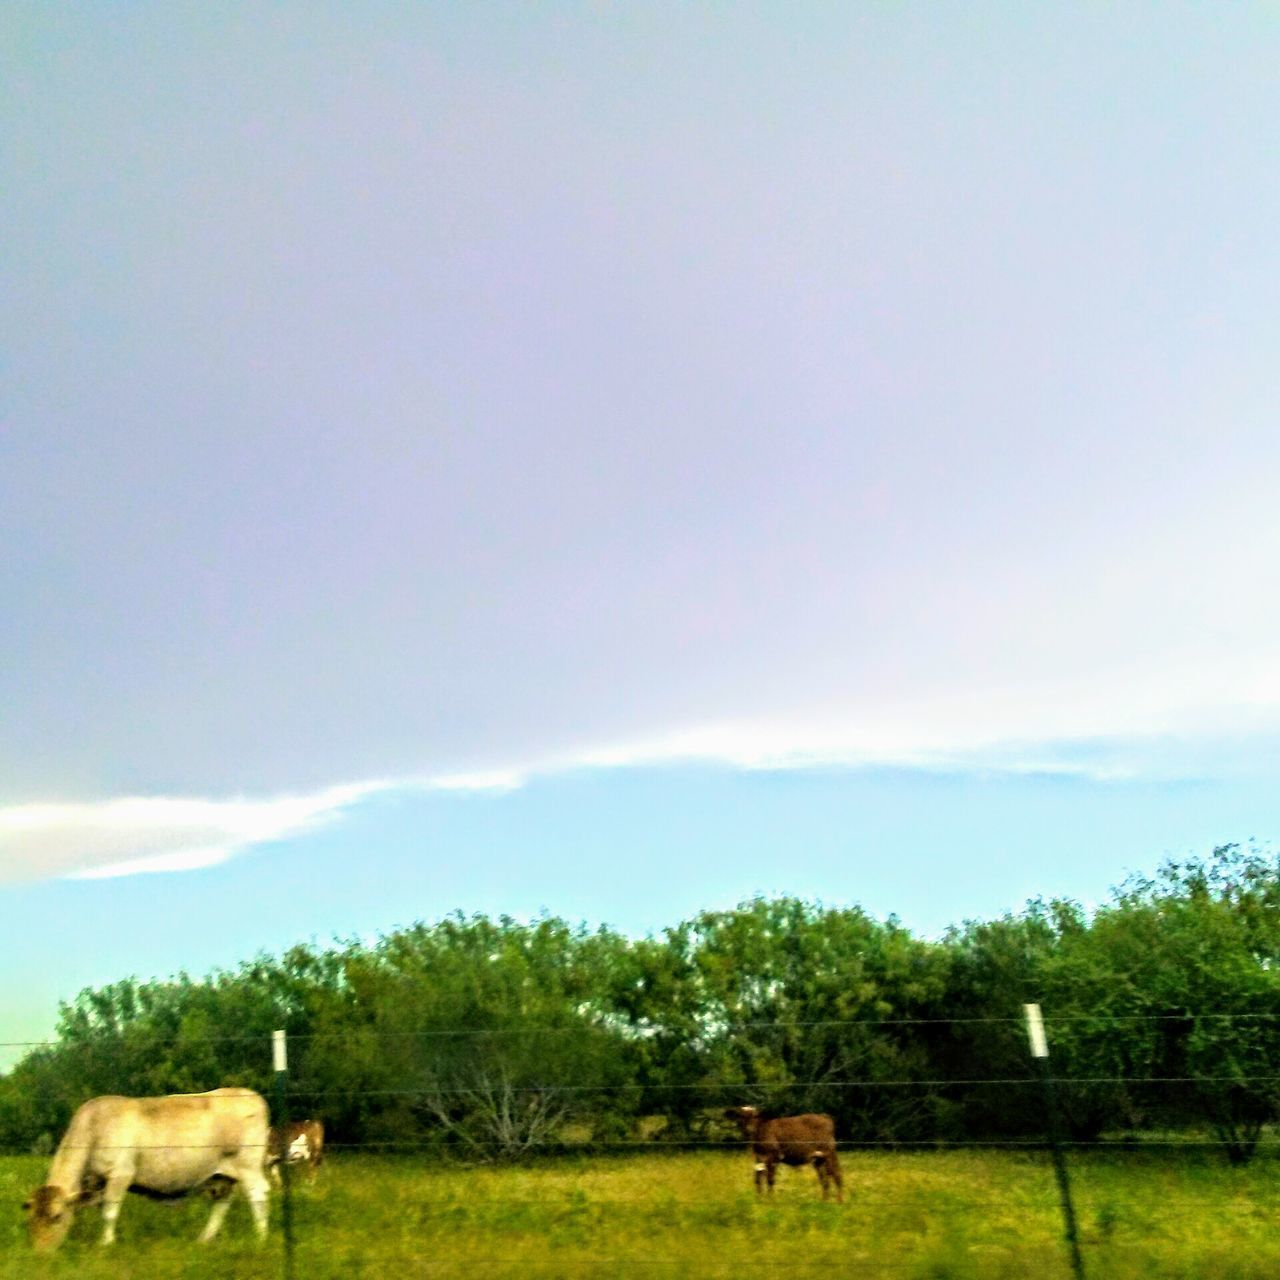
{"x":619,"y":460}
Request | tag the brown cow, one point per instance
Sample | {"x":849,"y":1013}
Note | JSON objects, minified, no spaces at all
{"x":794,"y":1140}
{"x":300,"y":1142}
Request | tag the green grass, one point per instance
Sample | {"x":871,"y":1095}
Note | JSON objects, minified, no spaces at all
{"x":929,"y":1216}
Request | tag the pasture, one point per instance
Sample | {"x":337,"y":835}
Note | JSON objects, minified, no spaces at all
{"x":922,"y":1216}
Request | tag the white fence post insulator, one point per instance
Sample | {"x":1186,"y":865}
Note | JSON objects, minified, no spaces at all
{"x":279,"y":1052}
{"x":1035,"y":1031}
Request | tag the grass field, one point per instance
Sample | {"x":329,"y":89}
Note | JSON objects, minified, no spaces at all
{"x":928,"y":1216}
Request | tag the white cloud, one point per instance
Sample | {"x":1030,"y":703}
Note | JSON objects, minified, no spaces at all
{"x":1123,"y":722}
{"x":136,"y":834}
{"x":1114,"y":726}
{"x":154,"y":833}
{"x":143,"y":834}
{"x":488,"y":780}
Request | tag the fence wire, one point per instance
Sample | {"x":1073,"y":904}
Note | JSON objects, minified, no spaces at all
{"x":712,"y":1027}
{"x":319,"y":1097}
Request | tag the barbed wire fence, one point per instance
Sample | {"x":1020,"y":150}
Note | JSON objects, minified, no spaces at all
{"x":295,"y":1095}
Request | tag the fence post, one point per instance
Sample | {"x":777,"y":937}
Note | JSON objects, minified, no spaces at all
{"x":1040,"y":1056}
{"x":280,"y":1064}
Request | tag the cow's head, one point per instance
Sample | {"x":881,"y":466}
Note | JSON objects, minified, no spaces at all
{"x":744,"y":1117}
{"x":50,"y":1212}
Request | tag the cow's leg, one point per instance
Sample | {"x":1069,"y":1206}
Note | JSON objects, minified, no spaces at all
{"x":113,"y":1195}
{"x":770,"y":1173}
{"x":827,"y":1164}
{"x":760,"y":1175}
{"x":257,"y":1189}
{"x":833,"y":1172}
{"x":216,"y":1215}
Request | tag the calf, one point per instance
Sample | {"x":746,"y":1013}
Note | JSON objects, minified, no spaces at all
{"x":300,"y":1142}
{"x":795,"y":1140}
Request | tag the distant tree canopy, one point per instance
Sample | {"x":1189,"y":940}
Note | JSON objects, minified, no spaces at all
{"x":490,"y":1037}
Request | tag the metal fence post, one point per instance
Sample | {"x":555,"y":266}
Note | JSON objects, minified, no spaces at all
{"x":1040,"y":1056}
{"x":280,"y":1063}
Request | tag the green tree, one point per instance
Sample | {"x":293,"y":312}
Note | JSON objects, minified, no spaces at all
{"x":797,"y":1007}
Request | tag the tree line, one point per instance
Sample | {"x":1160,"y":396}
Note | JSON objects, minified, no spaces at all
{"x":489,"y":1038}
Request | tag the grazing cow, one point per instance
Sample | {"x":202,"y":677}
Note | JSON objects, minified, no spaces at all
{"x":164,"y":1148}
{"x":795,"y":1140}
{"x":300,"y":1142}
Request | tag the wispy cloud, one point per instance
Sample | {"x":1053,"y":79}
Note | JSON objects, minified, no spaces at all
{"x":155,"y":833}
{"x":1118,"y":723}
{"x":144,"y":834}
{"x":492,"y":780}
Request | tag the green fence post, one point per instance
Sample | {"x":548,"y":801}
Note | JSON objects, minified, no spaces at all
{"x":280,"y":1062}
{"x":1040,"y":1056}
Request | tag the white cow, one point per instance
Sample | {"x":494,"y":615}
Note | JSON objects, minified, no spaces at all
{"x":160,"y":1147}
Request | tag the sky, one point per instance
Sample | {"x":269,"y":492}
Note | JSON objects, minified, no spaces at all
{"x":613,"y":460}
